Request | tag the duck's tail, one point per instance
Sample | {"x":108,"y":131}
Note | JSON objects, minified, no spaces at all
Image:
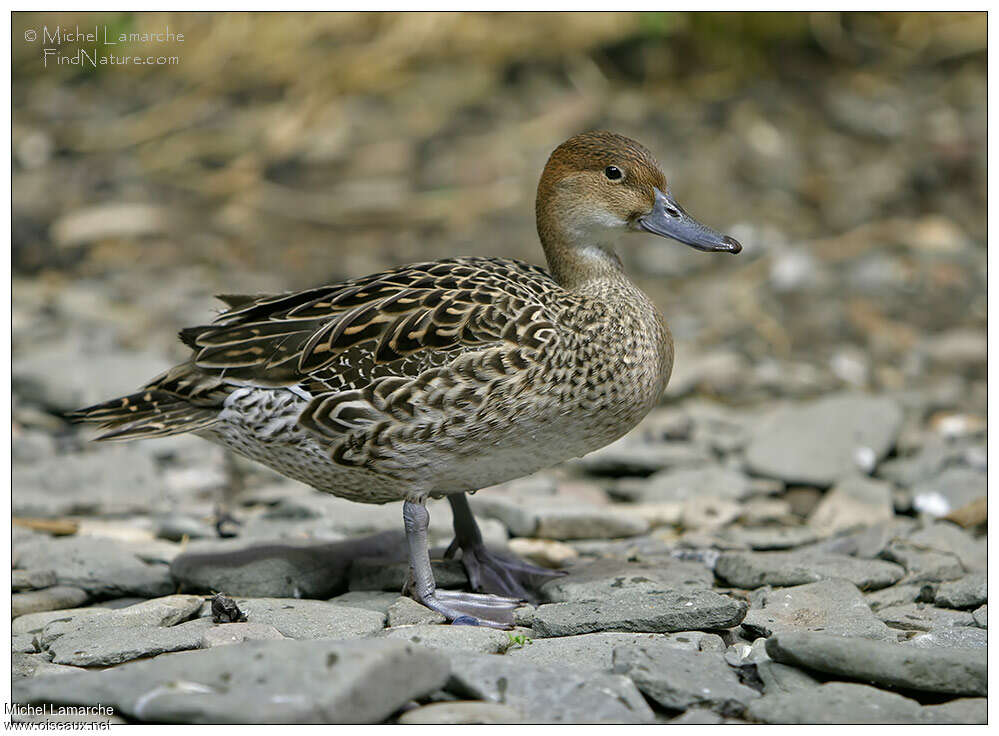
{"x":148,"y":413}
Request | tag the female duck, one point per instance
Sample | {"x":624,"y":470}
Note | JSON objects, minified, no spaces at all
{"x":444,"y":377}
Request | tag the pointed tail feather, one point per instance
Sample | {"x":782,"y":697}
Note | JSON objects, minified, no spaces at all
{"x":148,"y":413}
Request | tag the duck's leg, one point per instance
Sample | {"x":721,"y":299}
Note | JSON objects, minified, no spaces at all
{"x":457,"y":607}
{"x":488,"y":570}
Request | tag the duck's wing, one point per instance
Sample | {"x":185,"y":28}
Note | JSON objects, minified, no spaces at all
{"x":395,"y":323}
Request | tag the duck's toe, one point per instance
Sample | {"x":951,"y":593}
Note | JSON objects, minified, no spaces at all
{"x":503,"y":574}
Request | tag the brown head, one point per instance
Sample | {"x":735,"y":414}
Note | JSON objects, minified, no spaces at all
{"x":599,"y":185}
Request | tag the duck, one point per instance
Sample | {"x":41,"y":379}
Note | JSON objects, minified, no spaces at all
{"x":441,"y":378}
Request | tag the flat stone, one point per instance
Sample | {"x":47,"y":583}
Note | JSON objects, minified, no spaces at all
{"x":49,"y":599}
{"x":628,"y":457}
{"x":102,"y":567}
{"x":379,"y":574}
{"x":461,"y":712}
{"x":309,"y":619}
{"x":475,"y":639}
{"x":769,"y":538}
{"x":821,"y":442}
{"x":853,"y":502}
{"x":559,"y":518}
{"x":548,"y":695}
{"x":236,"y":633}
{"x":923,"y":617}
{"x":23,"y":643}
{"x":177,"y":527}
{"x":279,"y":569}
{"x":36,"y":665}
{"x":923,"y":565}
{"x":407,"y":612}
{"x":655,"y":612}
{"x":684,"y":484}
{"x":697,"y":717}
{"x":870,"y":542}
{"x":679,"y":679}
{"x":32,"y":579}
{"x":830,"y":606}
{"x":372,"y":600}
{"x":256,"y":682}
{"x":938,"y":670}
{"x":951,"y":489}
{"x":899,"y":595}
{"x":158,"y":612}
{"x":960,"y":711}
{"x":33,"y":623}
{"x":981,"y":616}
{"x":836,"y":703}
{"x":943,"y":536}
{"x":596,"y":651}
{"x":755,"y":569}
{"x":545,"y":552}
{"x":102,"y":643}
{"x":970,"y":591}
{"x":960,"y":637}
{"x":609,"y":577}
{"x":780,"y":678}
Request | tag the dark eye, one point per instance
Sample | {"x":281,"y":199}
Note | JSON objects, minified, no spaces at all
{"x":613,"y":173}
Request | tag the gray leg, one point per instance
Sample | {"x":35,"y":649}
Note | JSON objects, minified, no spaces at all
{"x":457,"y":607}
{"x":490,"y":571}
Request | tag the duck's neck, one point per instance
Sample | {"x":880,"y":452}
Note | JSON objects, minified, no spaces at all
{"x":581,"y":259}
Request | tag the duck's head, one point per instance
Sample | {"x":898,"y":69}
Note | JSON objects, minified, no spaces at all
{"x":597,"y":185}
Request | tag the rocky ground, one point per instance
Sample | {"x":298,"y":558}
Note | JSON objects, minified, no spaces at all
{"x":797,"y":535}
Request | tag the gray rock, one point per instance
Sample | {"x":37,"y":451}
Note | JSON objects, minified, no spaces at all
{"x":280,"y":570}
{"x":608,"y":577}
{"x":853,"y":502}
{"x":379,"y":574}
{"x":697,"y":717}
{"x":970,"y":591}
{"x":475,"y":639}
{"x":960,"y":637}
{"x":102,"y":567}
{"x":926,"y":464}
{"x":768,"y":538}
{"x":35,"y":665}
{"x":923,"y":617}
{"x":755,"y":569}
{"x":102,"y":643}
{"x":943,"y":536}
{"x":780,"y":678}
{"x":868,"y":543}
{"x":25,"y":643}
{"x":981,"y":616}
{"x":256,"y":682}
{"x":923,"y":565}
{"x":49,"y":599}
{"x":177,"y":527}
{"x":953,"y":488}
{"x":836,"y":703}
{"x":820,"y":442}
{"x":309,"y":619}
{"x":679,"y":679}
{"x":596,"y":651}
{"x":549,"y":695}
{"x":32,"y":579}
{"x":33,"y":623}
{"x":166,"y":611}
{"x":655,"y":612}
{"x":899,"y":595}
{"x":559,"y":518}
{"x":938,"y":670}
{"x":236,"y":633}
{"x":405,"y":611}
{"x":372,"y":600}
{"x":628,"y":457}
{"x":684,"y":484}
{"x":830,"y":606}
{"x":960,"y":711}
{"x":461,"y":713}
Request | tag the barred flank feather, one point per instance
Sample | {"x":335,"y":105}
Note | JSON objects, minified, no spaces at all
{"x":148,"y":413}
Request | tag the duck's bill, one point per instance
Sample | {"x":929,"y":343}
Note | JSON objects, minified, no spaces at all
{"x":669,"y":220}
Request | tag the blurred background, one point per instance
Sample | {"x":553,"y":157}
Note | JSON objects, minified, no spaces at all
{"x":846,"y":151}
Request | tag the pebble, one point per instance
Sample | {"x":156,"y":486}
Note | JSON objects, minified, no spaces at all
{"x":372,"y":600}
{"x":951,"y":489}
{"x":769,"y":538}
{"x":461,"y":712}
{"x":236,"y":633}
{"x":837,"y":703}
{"x":609,"y":577}
{"x":103,"y":568}
{"x":560,"y":518}
{"x":548,"y":695}
{"x":923,"y":617}
{"x":596,"y":651}
{"x":816,"y":443}
{"x":831,"y":606}
{"x":684,"y":484}
{"x":405,"y":611}
{"x":311,"y":619}
{"x":663,"y":612}
{"x":946,"y":537}
{"x":961,"y":637}
{"x":476,"y":639}
{"x":101,"y":641}
{"x":853,"y":502}
{"x":922,"y":564}
{"x":256,"y":682}
{"x":678,"y":679}
{"x":755,"y":569}
{"x":32,"y":579}
{"x":371,"y":573}
{"x":627,"y":457}
{"x":938,"y":670}
{"x":36,"y":665}
{"x":48,"y":599}
{"x":898,"y":595}
{"x":544,"y":552}
{"x":970,"y":591}
{"x":981,"y":616}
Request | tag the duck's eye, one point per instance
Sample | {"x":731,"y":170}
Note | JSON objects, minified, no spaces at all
{"x":613,"y":173}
